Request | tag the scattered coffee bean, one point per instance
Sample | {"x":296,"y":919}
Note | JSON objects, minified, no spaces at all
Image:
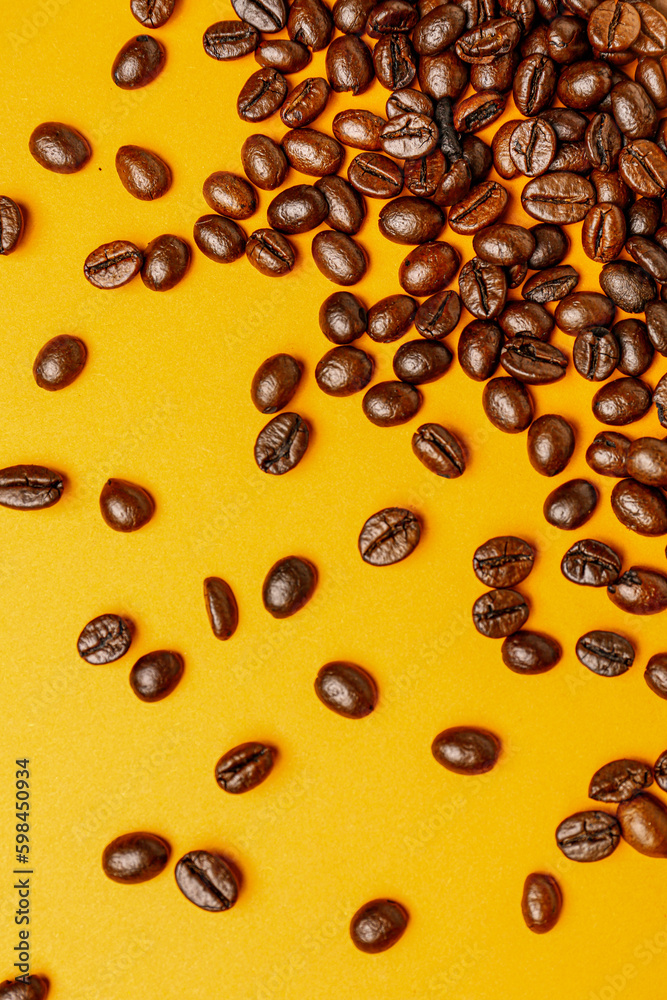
{"x":166,"y":261}
{"x":349,"y":65}
{"x":499,"y":613}
{"x":230,"y":39}
{"x":532,"y":361}
{"x":221,"y":607}
{"x":588,"y":836}
{"x":550,"y":444}
{"x":155,"y":675}
{"x":389,"y":536}
{"x":541,"y":902}
{"x":636,"y":350}
{"x":660,"y":771}
{"x":528,"y":652}
{"x":619,"y":780}
{"x":152,"y":13}
{"x":466,"y":750}
{"x":608,"y":454}
{"x":439,"y":450}
{"x":655,"y":676}
{"x":438,"y":315}
{"x":261,"y":95}
{"x":428,"y":268}
{"x":387,"y":404}
{"x":268,"y":16}
{"x":508,"y":405}
{"x":135,"y":857}
{"x":640,"y":508}
{"x":503,"y":561}
{"x":275,"y":382}
{"x":244,"y":767}
{"x":390,"y":318}
{"x":281,"y":444}
{"x":264,"y":162}
{"x":105,"y":639}
{"x":230,"y":195}
{"x":647,"y":461}
{"x":342,"y":318}
{"x":639,"y":591}
{"x":219,"y":239}
{"x":59,"y":148}
{"x":343,"y":371}
{"x":339,"y":258}
{"x":144,"y":174}
{"x":112,"y":265}
{"x":643,"y":822}
{"x":571,"y":504}
{"x":562,"y":198}
{"x":596,"y":353}
{"x":478,"y":348}
{"x":375,"y":175}
{"x":346,"y":689}
{"x":605,"y":653}
{"x":378,"y":925}
{"x":411,"y":221}
{"x":421,"y":361}
{"x":622,"y":401}
{"x":59,"y":362}
{"x":27,"y":988}
{"x":125,"y":506}
{"x":288,"y":585}
{"x":138,"y":63}
{"x":207,"y":880}
{"x":29,"y":487}
{"x":551,"y":245}
{"x":347,"y":210}
{"x":11,"y":225}
{"x":270,"y":252}
{"x":591,"y":563}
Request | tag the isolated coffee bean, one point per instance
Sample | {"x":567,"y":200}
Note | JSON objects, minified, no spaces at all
{"x":135,"y":857}
{"x":349,"y":65}
{"x":59,"y":148}
{"x":478,"y":350}
{"x":166,"y":261}
{"x":439,"y":450}
{"x":595,"y":353}
{"x":551,"y":245}
{"x":264,"y":162}
{"x":29,"y":487}
{"x":619,"y":780}
{"x":541,"y":902}
{"x":113,"y":264}
{"x":465,"y":750}
{"x":378,"y":925}
{"x":344,"y":371}
{"x":550,"y":284}
{"x":533,"y":361}
{"x":138,"y":63}
{"x":499,"y":613}
{"x":244,"y":767}
{"x":388,"y":404}
{"x":219,"y":239}
{"x":581,"y":310}
{"x":591,"y":563}
{"x":622,"y":401}
{"x":207,"y":881}
{"x":342,"y":318}
{"x":647,"y":461}
{"x":528,"y":652}
{"x":346,"y":689}
{"x":571,"y":504}
{"x":155,"y":675}
{"x":639,"y":507}
{"x":231,"y":40}
{"x":144,"y":174}
{"x":508,"y":404}
{"x":636,"y":350}
{"x":288,"y":586}
{"x":550,"y":444}
{"x":281,"y":444}
{"x":125,"y":506}
{"x":643,"y":822}
{"x":11,"y":225}
{"x":221,"y":607}
{"x":605,"y":653}
{"x":275,"y":382}
{"x":389,"y":536}
{"x":390,"y":318}
{"x":105,"y":639}
{"x":503,"y":561}
{"x":59,"y":362}
{"x":639,"y":591}
{"x":588,"y":836}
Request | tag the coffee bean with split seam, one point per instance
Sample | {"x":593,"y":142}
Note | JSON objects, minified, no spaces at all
{"x":389,"y":536}
{"x":605,"y":653}
{"x":113,"y":264}
{"x":499,"y":613}
{"x":619,"y":780}
{"x":591,"y":563}
{"x":29,"y":487}
{"x":244,"y":767}
{"x":207,"y":880}
{"x":588,"y":836}
{"x":105,"y":639}
{"x":439,"y":450}
{"x":270,"y":252}
{"x":281,"y":445}
{"x":503,"y":561}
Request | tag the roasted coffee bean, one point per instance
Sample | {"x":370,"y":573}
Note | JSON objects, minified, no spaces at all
{"x":478,"y":156}
{"x":411,"y":221}
{"x":221,"y":607}
{"x":342,"y":318}
{"x":613,"y":26}
{"x":499,"y":613}
{"x":454,"y":184}
{"x":647,"y":461}
{"x":404,"y":101}
{"x":533,"y":361}
{"x":135,"y":857}
{"x":438,"y":315}
{"x":608,"y":453}
{"x":528,"y":652}
{"x":643,"y":822}
{"x":569,"y":125}
{"x":550,"y":444}
{"x":305,"y":103}
{"x":503,"y":561}
{"x":636,"y":350}
{"x":375,"y":175}
{"x":581,"y":310}
{"x":155,"y":675}
{"x":297,"y":209}
{"x":350,"y":16}
{"x":619,"y":780}
{"x":633,"y":110}
{"x":483,"y":288}
{"x":390,"y":318}
{"x":571,"y":504}
{"x":644,"y":217}
{"x":550,"y":284}
{"x":551,"y":245}
{"x":588,"y":836}
{"x":125,"y":506}
{"x":561,"y":197}
{"x":591,"y":563}
{"x":358,"y":128}
{"x":113,"y":264}
{"x":660,"y":768}
{"x":439,"y":450}
{"x":656,"y":325}
{"x":219,"y":239}
{"x":144,"y":174}
{"x":526,"y":319}
{"x":378,"y":925}
{"x":391,"y":15}
{"x":643,"y":166}
{"x":603,"y":142}
{"x":11,"y":225}
{"x":566,"y":40}
{"x":611,"y":188}
{"x":583,"y":85}
{"x":605,"y":653}
{"x":394,"y":61}
{"x":59,"y":362}
{"x":651,"y":257}
{"x":310,"y":23}
{"x":244,"y":767}
{"x":541,"y":902}
{"x":105,"y":639}
{"x":339,"y":258}
{"x":166,"y":261}
{"x":207,"y":881}
{"x":346,"y":689}
{"x":479,"y":349}
{"x":496,"y":76}
{"x":283,"y":54}
{"x":428,"y":268}
{"x":270,"y":252}
{"x":288,"y":585}
{"x":508,"y":405}
{"x":500,"y":146}
{"x":660,"y":400}
{"x":477,"y":112}
{"x":389,"y":536}
{"x":439,"y":29}
{"x":484,"y":43}
{"x":603,"y":233}
{"x":596,"y":353}
{"x":26,"y":988}
{"x":655,"y":676}
{"x":639,"y":591}
{"x":570,"y":156}
{"x":504,"y":244}
{"x":152,"y":13}
{"x":421,"y":361}
{"x":639,"y":507}
{"x":281,"y":445}
{"x":532,"y":146}
{"x":261,"y":95}
{"x":230,"y":40}
{"x":410,"y":136}
{"x":466,"y":750}
{"x":349,"y":65}
{"x":622,"y":401}
{"x":390,"y":403}
{"x":275,"y":382}
{"x":29,"y":487}
{"x":265,"y":15}
{"x":343,"y":371}
{"x":264,"y":162}
{"x":139,"y":62}
{"x":651,"y":75}
{"x":483,"y":206}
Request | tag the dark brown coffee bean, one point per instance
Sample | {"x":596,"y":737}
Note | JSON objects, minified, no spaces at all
{"x":550,"y":444}
{"x":647,"y":461}
{"x":660,"y":766}
{"x":588,"y":836}
{"x":270,"y":252}
{"x":571,"y":504}
{"x":390,"y":403}
{"x":394,"y":61}
{"x":504,"y":244}
{"x":281,"y":444}
{"x":613,"y":26}
{"x":375,"y":175}
{"x":113,"y":264}
{"x":439,"y":29}
{"x":410,"y":136}
{"x":656,"y":324}
{"x":639,"y":507}
{"x":144,"y":174}
{"x":29,"y":487}
{"x":26,"y":988}
{"x":166,"y":261}
{"x":411,"y":221}
{"x":487,"y":41}
{"x":500,"y":147}
{"x":439,"y":450}
{"x":125,"y":506}
{"x":261,"y":95}
{"x":483,"y":206}
{"x":651,"y":75}
{"x":421,"y":361}
{"x":346,"y":207}
{"x":59,"y":362}
{"x":275,"y":382}
{"x":569,"y":125}
{"x":264,"y":162}
{"x":454,"y":184}
{"x":438,"y":315}
{"x":591,"y":563}
{"x":378,"y":925}
{"x":570,"y":156}
{"x":503,"y":561}
{"x":105,"y":639}
{"x":639,"y":591}
{"x":11,"y":225}
{"x":622,"y":401}
{"x":342,"y":318}
{"x":428,"y":268}
{"x":508,"y":405}
{"x":596,"y":353}
{"x":566,"y":40}
{"x":541,"y":902}
{"x":483,"y":288}
{"x":655,"y":676}
{"x":310,"y":22}
{"x":346,"y":689}
{"x":550,"y":284}
{"x":608,"y":453}
{"x":207,"y":881}
{"x":350,"y":16}
{"x":221,"y":607}
{"x":349,"y":65}
{"x":339,"y":258}
{"x":551,"y":245}
{"x":660,"y":400}
{"x":528,"y":652}
{"x":135,"y":857}
{"x":652,"y":37}
{"x":634,"y":111}
{"x":389,"y":536}
{"x":532,"y":146}
{"x":344,"y":371}
{"x":581,"y":310}
{"x":390,"y":318}
{"x":288,"y":585}
{"x":605,"y":653}
{"x":477,"y":112}
{"x":562,"y":198}
{"x":643,"y":822}
{"x":155,"y":675}
{"x":603,"y":233}
{"x":584,"y":84}
{"x":152,"y":13}
{"x":219,"y":239}
{"x":405,"y":101}
{"x":619,"y":780}
{"x":499,"y":613}
{"x":138,"y":63}
{"x":636,"y":350}
{"x":526,"y":319}
{"x":244,"y":767}
{"x":389,"y":16}
{"x":496,"y":76}
{"x":358,"y":128}
{"x":265,"y":15}
{"x":297,"y":209}
{"x":533,"y":361}
{"x":282,"y":54}
{"x":479,"y":157}
{"x":231,"y":40}
{"x":305,"y":103}
{"x":643,"y":166}
{"x":611,"y":188}
{"x":465,"y":750}
{"x":479,"y":350}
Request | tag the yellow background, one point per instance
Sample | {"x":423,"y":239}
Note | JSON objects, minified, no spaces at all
{"x":353,"y":810}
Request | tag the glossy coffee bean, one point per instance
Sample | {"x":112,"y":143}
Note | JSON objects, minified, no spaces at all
{"x":465,"y":750}
{"x":584,"y":85}
{"x":532,"y":146}
{"x":495,"y":37}
{"x":550,"y":284}
{"x":59,"y":362}
{"x":643,"y":166}
{"x":125,"y":506}
{"x":207,"y":881}
{"x":611,"y":188}
{"x":270,"y":252}
{"x":622,"y":401}
{"x":483,"y":288}
{"x":288,"y":586}
{"x":482,"y":207}
{"x":439,"y":29}
{"x":409,"y":136}
{"x":297,"y":209}
{"x":155,"y":675}
{"x":636,"y":350}
{"x":550,"y":444}
{"x":264,"y":162}
{"x":628,"y":285}
{"x":219,"y":239}
{"x":503,"y":561}
{"x":656,"y":325}
{"x":281,"y":444}
{"x":643,"y":822}
{"x":346,"y":689}
{"x":428,"y":268}
{"x":533,"y":361}
{"x":305,"y":103}
{"x":378,"y":925}
{"x":135,"y":857}
{"x":591,"y":563}
{"x":105,"y":639}
{"x":634,"y":111}
{"x":29,"y":487}
{"x":390,"y":318}
{"x":619,"y":780}
{"x":394,"y":61}
{"x":349,"y":65}
{"x":639,"y":591}
{"x":230,"y":40}
{"x":138,"y":63}
{"x":528,"y":652}
{"x":221,"y":607}
{"x":499,"y":613}
{"x":478,"y":349}
{"x":113,"y":264}
{"x":230,"y":195}
{"x":581,"y":310}
{"x":339,"y":258}
{"x":596,"y":353}
{"x":541,"y":902}
{"x":343,"y":371}
{"x":655,"y":676}
{"x":640,"y":508}
{"x":359,"y":128}
{"x":244,"y":767}
{"x":504,"y":244}
{"x":411,"y":221}
{"x":551,"y":245}
{"x":342,"y":318}
{"x":421,"y":361}
{"x":389,"y":536}
{"x":602,"y":142}
{"x":59,"y":148}
{"x":267,"y":16}
{"x":439,"y":450}
{"x":603,"y":234}
{"x":282,"y":54}
{"x":438,"y":315}
{"x":261,"y":95}
{"x":588,"y":836}
{"x":388,"y":404}
{"x":275,"y":382}
{"x":310,"y":23}
{"x":613,"y":26}
{"x":526,"y":319}
{"x":605,"y":653}
{"x":644,"y":217}
{"x":647,"y":461}
{"x":375,"y":175}
{"x":571,"y":504}
{"x":534,"y":83}
{"x":346,"y":206}
{"x":660,"y":400}
{"x":152,"y":13}
{"x":508,"y":405}
{"x":11,"y":225}
{"x":143,"y":174}
{"x":166,"y":261}
{"x":562,"y":197}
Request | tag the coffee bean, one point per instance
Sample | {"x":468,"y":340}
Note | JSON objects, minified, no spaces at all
{"x":394,"y":61}
{"x":551,"y":245}
{"x":346,"y":689}
{"x":588,"y":836}
{"x":534,"y":83}
{"x":639,"y":591}
{"x":105,"y":639}
{"x":265,"y":15}
{"x":571,"y":504}
{"x":647,"y":461}
{"x":389,"y":536}
{"x":644,"y":217}
{"x":479,"y":349}
{"x":581,"y":310}
{"x":346,"y":207}
{"x":378,"y":925}
{"x":566,"y":40}
{"x":262,"y":95}
{"x":264,"y":162}
{"x":508,"y":404}
{"x":138,"y":63}
{"x":634,"y":111}
{"x":404,"y":101}
{"x":622,"y":401}
{"x":466,"y":750}
{"x":166,"y":261}
{"x":270,"y":252}
{"x":275,"y":382}
{"x":297,"y":209}
{"x":305,"y":103}
{"x":409,"y":136}
{"x":411,"y":221}
{"x":454,"y":184}
{"x":230,"y":195}
{"x":628,"y":285}
{"x":342,"y":318}
{"x":656,"y":325}
{"x":603,"y":234}
{"x":439,"y":29}
{"x":359,"y":129}
{"x":660,"y":400}
{"x":496,"y":76}
{"x":571,"y":157}
{"x":526,"y":319}
{"x":603,"y":142}
{"x":532,"y":146}
{"x":281,"y":444}
{"x":310,"y":23}
{"x":244,"y":767}
{"x":613,"y":26}
{"x":112,"y":265}
{"x":231,"y":40}
{"x":611,"y":188}
{"x":477,"y":112}
{"x":503,"y":561}
{"x":349,"y":65}
{"x":528,"y":652}
{"x":504,"y":244}
{"x":487,"y":41}
{"x":388,"y":404}
{"x":483,"y":206}
{"x":660,"y":771}
{"x":59,"y":148}
{"x":428,"y":268}
{"x":27,"y":988}
{"x":596,"y":353}
{"x":152,"y":13}
{"x":561,"y":197}
{"x":29,"y":487}
{"x":59,"y":362}
{"x":344,"y":371}
{"x":283,"y":54}
{"x":438,"y":315}
{"x":550,"y":284}
{"x":11,"y":225}
{"x":655,"y":676}
{"x":640,"y":508}
{"x":605,"y":653}
{"x":221,"y":607}
{"x":390,"y":318}
{"x":643,"y":822}
{"x":550,"y":444}
{"x":439,"y":450}
{"x":584,"y":85}
{"x":499,"y":613}
{"x":144,"y":174}
{"x":125,"y":506}
{"x":541,"y":902}
{"x":636,"y":350}
{"x":155,"y":675}
{"x":478,"y":156}
{"x":483,"y":288}
{"x":207,"y":881}
{"x":591,"y":563}
{"x":288,"y":586}
{"x":643,"y":166}
{"x":533,"y":361}
{"x":339,"y":258}
{"x":375,"y":175}
{"x":619,"y":780}
{"x":421,"y":361}
{"x":135,"y":857}
{"x":219,"y":239}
